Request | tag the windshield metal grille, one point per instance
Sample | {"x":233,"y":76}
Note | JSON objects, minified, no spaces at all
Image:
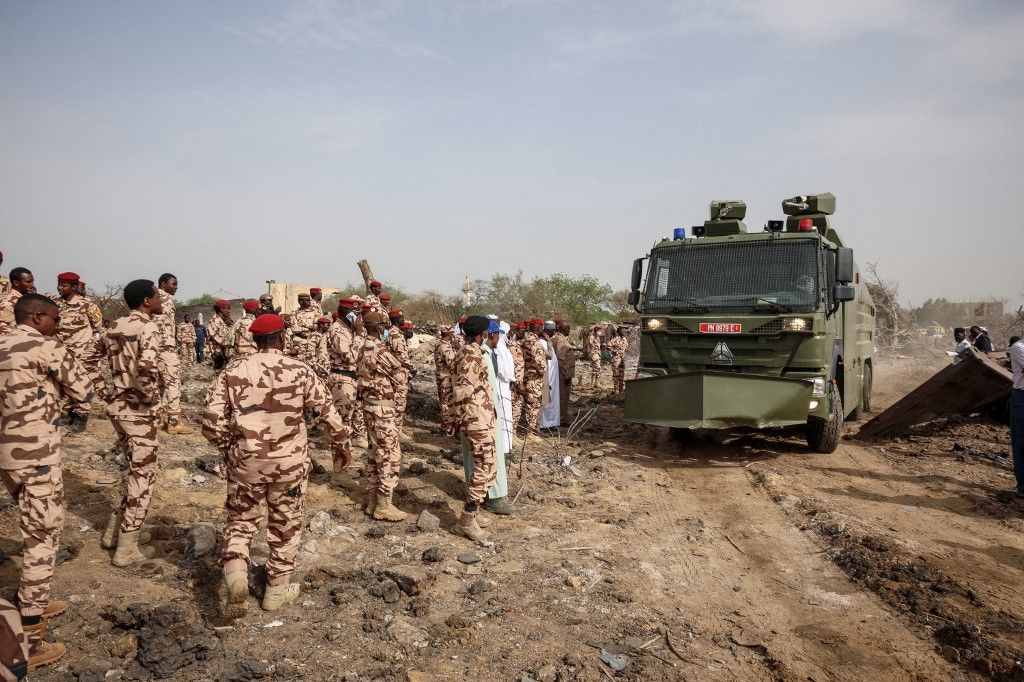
{"x":770,"y":275}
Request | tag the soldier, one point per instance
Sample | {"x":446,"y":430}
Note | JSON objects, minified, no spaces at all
{"x":170,"y":365}
{"x":474,"y":416}
{"x":267,"y":306}
{"x":345,"y":343}
{"x":13,"y":643}
{"x":5,"y":284}
{"x":396,"y":342}
{"x":566,"y":355}
{"x":377,"y":381}
{"x":254,"y":416}
{"x":444,"y":365}
{"x":516,"y":349}
{"x":316,"y":298}
{"x":617,"y":346}
{"x":535,"y":363}
{"x":385,"y":304}
{"x":592,"y":351}
{"x":244,"y":343}
{"x":133,"y":348}
{"x":22,"y":282}
{"x":186,"y":335}
{"x":321,"y":362}
{"x":79,"y":329}
{"x":303,"y":322}
{"x":35,"y":371}
{"x":373,"y":298}
{"x":217,"y":333}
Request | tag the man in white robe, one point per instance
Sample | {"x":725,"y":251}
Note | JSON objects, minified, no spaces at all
{"x":550,"y":416}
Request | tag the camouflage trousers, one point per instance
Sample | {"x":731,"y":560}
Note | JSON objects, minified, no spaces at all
{"x":282,"y":492}
{"x":13,"y":644}
{"x":39,"y":492}
{"x":595,"y":369}
{"x":564,"y":393}
{"x":170,"y":377}
{"x":517,"y":403}
{"x":533,"y":392}
{"x":90,"y":361}
{"x":444,"y":398}
{"x":618,"y":373}
{"x":137,"y":437}
{"x":401,"y":398}
{"x":187,"y":354}
{"x":343,"y":393}
{"x":485,"y":472}
{"x":384,"y":456}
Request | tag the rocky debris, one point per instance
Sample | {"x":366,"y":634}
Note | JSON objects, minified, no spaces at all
{"x":407,"y":634}
{"x":417,"y":468}
{"x":469,"y":559}
{"x":211,"y":464}
{"x":377,"y":532}
{"x":170,"y":639}
{"x":480,"y":586}
{"x":427,"y":522}
{"x":433,"y":555}
{"x":245,"y":670}
{"x":69,"y":549}
{"x":126,"y":644}
{"x":410,"y":579}
{"x":322,"y":524}
{"x":200,"y":540}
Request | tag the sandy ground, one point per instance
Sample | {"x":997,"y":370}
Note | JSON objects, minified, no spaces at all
{"x":749,"y":559}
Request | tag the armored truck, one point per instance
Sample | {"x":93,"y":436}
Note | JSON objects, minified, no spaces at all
{"x":753,"y":330}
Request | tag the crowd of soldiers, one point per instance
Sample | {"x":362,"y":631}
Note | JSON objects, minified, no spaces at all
{"x":346,"y":375}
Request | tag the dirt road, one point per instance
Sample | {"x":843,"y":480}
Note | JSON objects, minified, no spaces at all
{"x":885,"y":560}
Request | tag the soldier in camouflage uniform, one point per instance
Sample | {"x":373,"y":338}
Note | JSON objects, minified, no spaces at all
{"x":22,"y":282}
{"x":592,"y":351}
{"x":534,"y":365}
{"x":170,"y":364}
{"x":566,"y":355}
{"x":5,"y":284}
{"x":254,"y":416}
{"x":444,"y":364}
{"x":321,"y":361}
{"x":186,"y":336}
{"x":396,"y":342}
{"x":80,"y":327}
{"x":515,"y":347}
{"x":132,"y":345}
{"x":244,"y":344}
{"x":36,"y":371}
{"x":14,"y":654}
{"x":345,"y":340}
{"x":373,"y":298}
{"x":301,"y":329}
{"x":316,"y":299}
{"x":377,"y":382}
{"x":474,"y":416}
{"x":617,"y":347}
{"x":217,"y":334}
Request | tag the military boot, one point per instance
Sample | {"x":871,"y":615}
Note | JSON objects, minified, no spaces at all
{"x":500,"y":506}
{"x":343,"y":479}
{"x":385,"y":510}
{"x":236,"y":591}
{"x":113,"y":530}
{"x":54,"y":609}
{"x":40,"y":652}
{"x":175,"y":426}
{"x":469,"y":525}
{"x":277,"y":596}
{"x":128,"y":550}
{"x":370,"y":502}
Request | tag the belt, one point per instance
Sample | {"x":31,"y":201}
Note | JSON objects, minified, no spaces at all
{"x":381,"y":403}
{"x":344,"y":372}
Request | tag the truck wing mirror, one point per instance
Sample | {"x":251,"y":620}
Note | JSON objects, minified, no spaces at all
{"x":843,"y":293}
{"x":844,"y":265}
{"x":638,"y":271}
{"x":634,"y":297}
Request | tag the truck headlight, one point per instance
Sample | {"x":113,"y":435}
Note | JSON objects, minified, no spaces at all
{"x":796,"y":324}
{"x":818,"y":387}
{"x":657,"y":324}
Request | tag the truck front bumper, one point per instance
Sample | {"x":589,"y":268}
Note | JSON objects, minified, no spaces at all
{"x":718,"y":400}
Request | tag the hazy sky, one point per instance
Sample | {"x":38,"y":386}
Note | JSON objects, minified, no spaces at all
{"x":234,"y":142}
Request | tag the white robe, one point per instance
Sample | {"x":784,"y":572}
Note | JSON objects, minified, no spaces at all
{"x":550,"y":416}
{"x":505,"y":375}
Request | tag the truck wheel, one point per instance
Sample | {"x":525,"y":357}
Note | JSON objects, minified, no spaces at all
{"x":865,"y":402}
{"x":823,"y":435}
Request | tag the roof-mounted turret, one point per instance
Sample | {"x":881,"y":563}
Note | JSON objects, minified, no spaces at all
{"x":809,"y":207}
{"x":726,"y":218}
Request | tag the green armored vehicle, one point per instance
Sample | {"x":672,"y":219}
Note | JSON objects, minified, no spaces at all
{"x":753,"y":330}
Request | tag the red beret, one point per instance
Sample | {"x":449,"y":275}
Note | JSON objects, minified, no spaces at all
{"x":251,"y":306}
{"x":385,"y":296}
{"x":67,"y":277}
{"x":367,"y":308}
{"x":536,"y":320}
{"x":324,"y":320}
{"x":314,"y":290}
{"x":221,"y":303}
{"x":334,"y":316}
{"x":395,"y":312}
{"x":559,"y":320}
{"x":375,"y":283}
{"x":348,"y":303}
{"x":266,"y":324}
{"x":406,"y":325}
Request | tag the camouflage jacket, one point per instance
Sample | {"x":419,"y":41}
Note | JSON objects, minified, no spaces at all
{"x":400,"y":349}
{"x":132,"y":345}
{"x":165,"y":320}
{"x":80,"y":325}
{"x":315,"y":305}
{"x":472,"y":395}
{"x":35,"y":371}
{"x":254,"y":414}
{"x":7,"y":322}
{"x":217,"y":333}
{"x":617,"y":347}
{"x":344,"y":346}
{"x":5,"y":286}
{"x":373,"y":302}
{"x":378,"y":371}
{"x":186,"y":333}
{"x":244,"y":344}
{"x":566,"y":355}
{"x":444,"y":359}
{"x":321,"y":360}
{"x":517,"y":359}
{"x":303,"y":322}
{"x":534,"y":357}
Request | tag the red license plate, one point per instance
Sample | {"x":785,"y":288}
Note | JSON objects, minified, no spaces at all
{"x":720,"y":328}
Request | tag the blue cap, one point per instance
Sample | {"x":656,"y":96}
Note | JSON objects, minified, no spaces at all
{"x":494,"y":328}
{"x":679,"y":233}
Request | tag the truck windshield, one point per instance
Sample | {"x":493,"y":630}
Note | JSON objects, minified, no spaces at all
{"x":773,"y":275}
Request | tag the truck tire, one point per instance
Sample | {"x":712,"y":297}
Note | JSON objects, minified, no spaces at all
{"x":865,"y":403}
{"x":823,"y":435}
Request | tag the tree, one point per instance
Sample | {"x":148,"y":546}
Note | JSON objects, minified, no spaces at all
{"x":111,"y":301}
{"x":204,"y":299}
